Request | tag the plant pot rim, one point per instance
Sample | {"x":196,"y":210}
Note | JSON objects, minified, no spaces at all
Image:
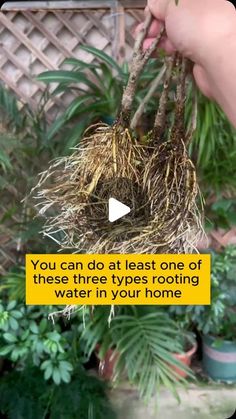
{"x":191,"y":351}
{"x":213,"y":337}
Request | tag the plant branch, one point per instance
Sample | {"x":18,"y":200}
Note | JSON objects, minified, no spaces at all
{"x":139,"y":61}
{"x":178,"y":129}
{"x":160,"y":119}
{"x":153,"y":87}
{"x":193,"y":123}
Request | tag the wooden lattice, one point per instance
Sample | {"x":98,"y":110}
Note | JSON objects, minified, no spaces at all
{"x":34,"y":41}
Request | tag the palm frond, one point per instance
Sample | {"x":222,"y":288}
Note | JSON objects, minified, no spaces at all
{"x":146,"y":345}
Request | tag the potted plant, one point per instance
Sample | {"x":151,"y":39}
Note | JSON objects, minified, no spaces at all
{"x":217,"y":322}
{"x":219,"y":330}
{"x":141,"y":341}
{"x":219,"y":347}
{"x":186,"y":341}
{"x":97,"y":88}
{"x":189,"y":345}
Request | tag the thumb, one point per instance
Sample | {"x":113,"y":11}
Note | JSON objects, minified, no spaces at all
{"x":158,"y":8}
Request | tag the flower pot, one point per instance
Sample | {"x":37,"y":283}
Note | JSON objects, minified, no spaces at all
{"x":107,"y":364}
{"x":185,"y":358}
{"x":219,"y":362}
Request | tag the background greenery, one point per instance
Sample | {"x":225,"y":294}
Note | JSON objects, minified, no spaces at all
{"x":44,"y":364}
{"x":218,"y":319}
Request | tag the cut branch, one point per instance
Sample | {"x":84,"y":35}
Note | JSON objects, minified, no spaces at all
{"x":193,"y":123}
{"x":160,"y":119}
{"x":139,"y":61}
{"x":153,"y":87}
{"x":178,"y":129}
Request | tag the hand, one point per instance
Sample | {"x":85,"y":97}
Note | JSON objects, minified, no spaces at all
{"x":195,"y":28}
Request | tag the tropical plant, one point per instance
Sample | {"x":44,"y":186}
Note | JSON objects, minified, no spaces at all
{"x":14,"y":283}
{"x":24,"y":151}
{"x":221,"y":213}
{"x":28,"y":337}
{"x":213,"y":147}
{"x":98,"y":89}
{"x":25,"y":394}
{"x":43,"y":365}
{"x":145,"y":340}
{"x":43,"y":368}
{"x":219,"y":318}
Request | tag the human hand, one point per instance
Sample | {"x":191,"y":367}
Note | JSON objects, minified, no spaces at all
{"x":198,"y":29}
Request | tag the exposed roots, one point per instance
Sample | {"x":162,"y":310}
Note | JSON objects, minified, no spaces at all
{"x":156,"y":180}
{"x":171,"y":185}
{"x":159,"y":184}
{"x":108,"y":163}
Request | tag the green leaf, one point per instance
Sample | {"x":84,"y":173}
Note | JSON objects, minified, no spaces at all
{"x":101,"y":55}
{"x":13,"y":323}
{"x":79,"y":63}
{"x":73,"y":136}
{"x":54,"y":347}
{"x":48,"y":371}
{"x":77,"y":106}
{"x":11,"y":305}
{"x":33,"y":327}
{"x":65,"y":376}
{"x":56,"y":376}
{"x":43,"y":325}
{"x":55,"y":127}
{"x":6,"y":350}
{"x":17,"y":314}
{"x":145,"y":348}
{"x":9,"y":337}
{"x":25,"y":334}
{"x":45,"y":364}
{"x":5,"y":161}
{"x":65,"y":365}
{"x":100,"y":108}
{"x":64,"y":76}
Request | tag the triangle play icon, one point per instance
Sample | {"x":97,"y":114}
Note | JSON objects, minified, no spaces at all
{"x":117,"y":210}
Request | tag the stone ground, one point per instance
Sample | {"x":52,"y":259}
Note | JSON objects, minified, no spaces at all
{"x":198,"y":402}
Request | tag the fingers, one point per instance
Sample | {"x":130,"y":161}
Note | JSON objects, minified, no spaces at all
{"x":165,"y":44}
{"x":154,"y":30}
{"x":158,"y":8}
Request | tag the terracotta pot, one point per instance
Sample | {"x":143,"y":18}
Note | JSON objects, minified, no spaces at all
{"x":186,"y":359}
{"x":106,"y":365}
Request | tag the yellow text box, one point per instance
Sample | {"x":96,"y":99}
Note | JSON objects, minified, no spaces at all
{"x":117,"y":279}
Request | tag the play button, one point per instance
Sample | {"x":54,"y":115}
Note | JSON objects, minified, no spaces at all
{"x":117,"y":210}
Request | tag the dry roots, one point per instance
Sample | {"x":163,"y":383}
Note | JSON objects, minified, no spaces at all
{"x":157,"y":180}
{"x":108,"y":163}
{"x":159,"y":184}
